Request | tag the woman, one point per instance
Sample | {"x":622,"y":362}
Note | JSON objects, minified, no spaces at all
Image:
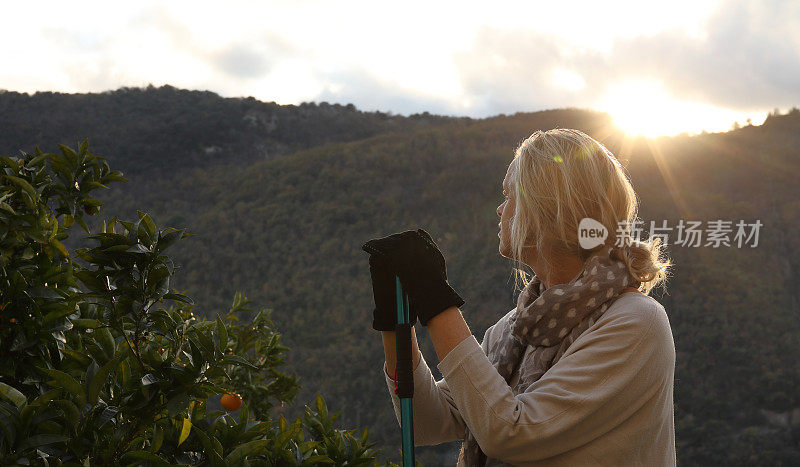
{"x":581,"y":371}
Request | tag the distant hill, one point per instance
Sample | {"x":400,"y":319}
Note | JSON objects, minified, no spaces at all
{"x":157,"y":130}
{"x":286,"y":229}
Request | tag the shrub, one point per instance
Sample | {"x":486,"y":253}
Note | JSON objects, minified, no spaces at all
{"x":102,"y":363}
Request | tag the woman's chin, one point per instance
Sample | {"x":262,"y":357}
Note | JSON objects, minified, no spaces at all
{"x":504,"y":250}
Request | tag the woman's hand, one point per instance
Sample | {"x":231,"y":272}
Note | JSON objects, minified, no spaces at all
{"x":384,"y":315}
{"x":416,"y":259}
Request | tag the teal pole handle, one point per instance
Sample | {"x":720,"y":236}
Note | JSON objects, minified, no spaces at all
{"x":405,"y":373}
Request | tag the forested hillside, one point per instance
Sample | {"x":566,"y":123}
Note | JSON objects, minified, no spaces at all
{"x":287,"y":231}
{"x":158,"y":130}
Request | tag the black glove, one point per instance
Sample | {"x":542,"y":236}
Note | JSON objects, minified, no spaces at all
{"x":384,"y":315}
{"x":420,"y":265}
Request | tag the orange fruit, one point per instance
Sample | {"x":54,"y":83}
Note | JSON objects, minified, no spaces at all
{"x":231,"y":402}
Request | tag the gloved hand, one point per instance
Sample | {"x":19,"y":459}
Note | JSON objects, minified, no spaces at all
{"x":420,"y":265}
{"x":384,"y":315}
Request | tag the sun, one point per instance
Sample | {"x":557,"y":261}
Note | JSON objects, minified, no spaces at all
{"x":641,"y":107}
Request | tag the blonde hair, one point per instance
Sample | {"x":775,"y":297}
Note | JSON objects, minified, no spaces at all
{"x":561,"y":176}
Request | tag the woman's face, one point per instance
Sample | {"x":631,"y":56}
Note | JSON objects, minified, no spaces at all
{"x":506,"y":211}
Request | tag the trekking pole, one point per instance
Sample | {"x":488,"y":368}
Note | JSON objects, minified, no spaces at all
{"x":404,"y":373}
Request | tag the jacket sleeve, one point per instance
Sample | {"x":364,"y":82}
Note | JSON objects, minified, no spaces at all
{"x":436,"y":416}
{"x":607,"y":374}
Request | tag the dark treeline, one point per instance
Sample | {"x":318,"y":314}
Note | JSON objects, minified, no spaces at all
{"x":162,"y":129}
{"x":287,"y":231}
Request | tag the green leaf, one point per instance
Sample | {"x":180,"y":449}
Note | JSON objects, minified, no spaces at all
{"x":260,"y":446}
{"x":158,"y":281}
{"x":222,"y":332}
{"x":109,"y":238}
{"x":82,"y":223}
{"x":99,"y":379}
{"x":90,"y":280}
{"x":149,"y":379}
{"x":185,"y":429}
{"x":86,"y":323}
{"x":210,"y":447}
{"x":158,"y":438}
{"x":138,"y":248}
{"x":322,"y":410}
{"x":63,"y":380}
{"x":7,"y":207}
{"x":63,"y":324}
{"x":115,"y":176}
{"x":12,"y":395}
{"x":41,"y":440}
{"x":244,"y":418}
{"x":14,"y":163}
{"x":177,"y":404}
{"x":167,"y":237}
{"x":105,"y":340}
{"x":205,"y":339}
{"x":47,"y":293}
{"x":37,"y":160}
{"x":146,"y":228}
{"x":54,"y":316}
{"x":60,"y":247}
{"x":71,"y":413}
{"x":81,"y":358}
{"x":43,"y":399}
{"x":198,"y":356}
{"x":97,"y":185}
{"x":22,"y":183}
{"x":145,"y":456}
{"x":71,"y":156}
{"x":108,"y":413}
{"x":178,"y":297}
{"x":115,"y":249}
{"x":124,"y":373}
{"x":235,"y":359}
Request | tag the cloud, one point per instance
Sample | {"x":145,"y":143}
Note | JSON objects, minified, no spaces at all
{"x":255,"y":57}
{"x":510,"y":71}
{"x":241,"y":61}
{"x":749,"y":59}
{"x":369,"y":92}
{"x":746,"y":56}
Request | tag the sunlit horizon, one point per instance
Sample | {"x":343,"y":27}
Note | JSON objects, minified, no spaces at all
{"x":643,"y":108}
{"x":658,"y":69}
{"x":633,"y":106}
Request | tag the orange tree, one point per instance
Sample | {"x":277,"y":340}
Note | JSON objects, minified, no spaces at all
{"x":102,"y":363}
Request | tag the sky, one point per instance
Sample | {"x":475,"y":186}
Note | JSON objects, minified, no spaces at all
{"x":658,"y":68}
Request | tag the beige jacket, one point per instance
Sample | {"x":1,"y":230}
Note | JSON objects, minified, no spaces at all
{"x":607,"y":401}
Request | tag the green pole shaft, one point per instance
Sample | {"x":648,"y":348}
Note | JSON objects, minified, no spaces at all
{"x":405,"y":373}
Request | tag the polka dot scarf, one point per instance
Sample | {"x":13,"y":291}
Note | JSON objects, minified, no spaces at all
{"x":550,"y":320}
